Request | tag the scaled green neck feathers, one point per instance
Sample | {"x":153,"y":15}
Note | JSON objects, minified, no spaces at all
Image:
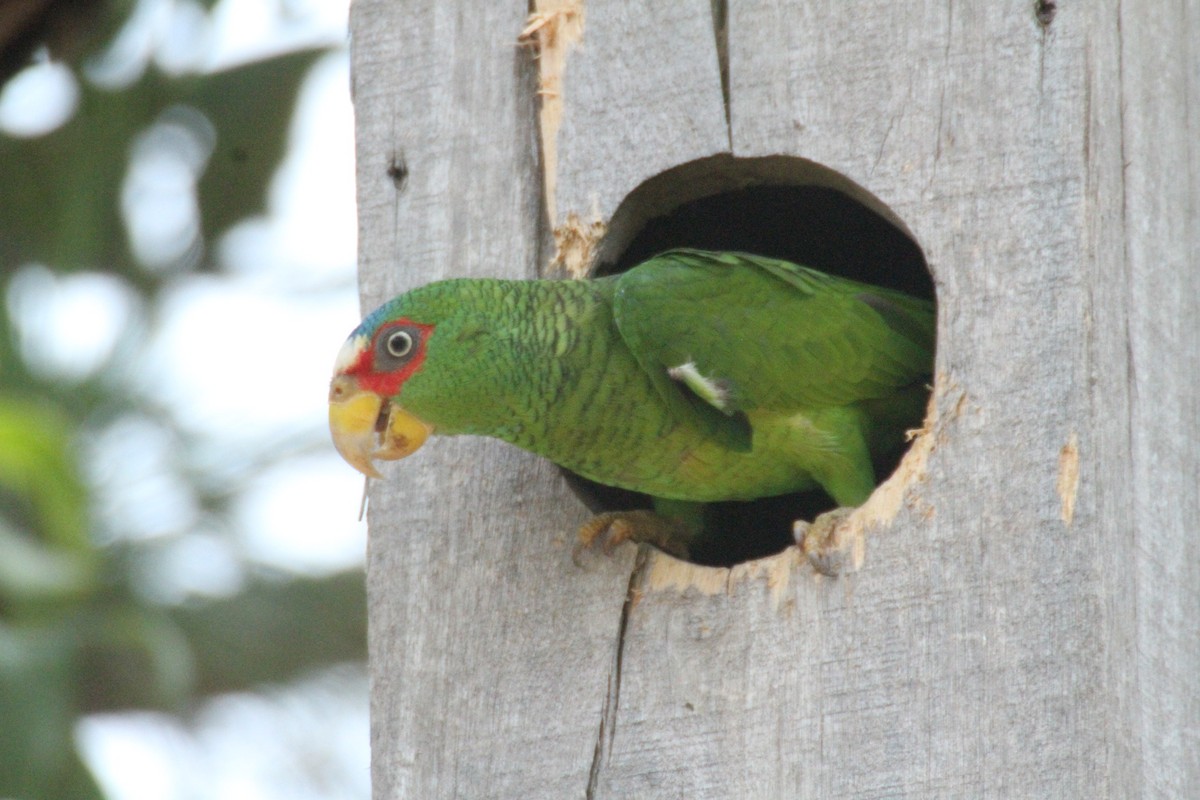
{"x":526,"y":371}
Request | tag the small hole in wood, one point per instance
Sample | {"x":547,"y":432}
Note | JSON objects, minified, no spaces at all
{"x":1044,"y":11}
{"x":397,"y":170}
{"x":777,"y":206}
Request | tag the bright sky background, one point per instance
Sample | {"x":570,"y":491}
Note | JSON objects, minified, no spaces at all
{"x":291,"y":271}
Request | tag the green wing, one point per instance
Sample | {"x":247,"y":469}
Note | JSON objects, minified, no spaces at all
{"x":744,"y":332}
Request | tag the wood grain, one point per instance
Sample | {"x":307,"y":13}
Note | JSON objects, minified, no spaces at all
{"x":489,"y":672}
{"x":642,"y":94}
{"x":1160,"y":87}
{"x":992,"y":644}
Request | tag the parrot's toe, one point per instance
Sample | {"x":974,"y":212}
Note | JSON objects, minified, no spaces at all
{"x":611,"y":528}
{"x":830,"y":542}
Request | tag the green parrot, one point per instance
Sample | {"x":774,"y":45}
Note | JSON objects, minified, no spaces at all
{"x":693,"y":377}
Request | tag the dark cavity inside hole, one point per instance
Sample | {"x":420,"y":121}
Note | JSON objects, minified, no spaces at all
{"x":776,"y":206}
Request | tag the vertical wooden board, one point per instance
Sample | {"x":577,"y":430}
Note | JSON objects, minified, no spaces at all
{"x":966,"y":656}
{"x":837,"y":83}
{"x":994,"y":642}
{"x":1106,"y":479}
{"x":446,"y":144}
{"x":490,"y":652}
{"x":642,"y":94}
{"x":1160,"y":82}
{"x":738,"y":687}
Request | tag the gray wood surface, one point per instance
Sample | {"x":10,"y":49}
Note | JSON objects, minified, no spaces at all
{"x":669,"y":111}
{"x":1160,"y":467}
{"x":1026,"y":619}
{"x":491,"y":665}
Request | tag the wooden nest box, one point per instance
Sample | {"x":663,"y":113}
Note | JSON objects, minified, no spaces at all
{"x":1026,"y":618}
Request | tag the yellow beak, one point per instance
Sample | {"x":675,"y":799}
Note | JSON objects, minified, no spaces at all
{"x":363,"y":432}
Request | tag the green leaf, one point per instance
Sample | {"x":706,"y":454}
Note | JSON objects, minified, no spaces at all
{"x":38,"y":472}
{"x":37,"y":716}
{"x":62,"y":190}
{"x":251,"y":107}
{"x":276,"y":630}
{"x":273,"y":631}
{"x":31,"y":572}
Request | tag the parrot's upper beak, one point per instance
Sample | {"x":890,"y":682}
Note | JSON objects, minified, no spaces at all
{"x":364,"y":430}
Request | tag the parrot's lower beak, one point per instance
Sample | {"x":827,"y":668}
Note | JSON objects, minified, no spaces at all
{"x":364,"y":430}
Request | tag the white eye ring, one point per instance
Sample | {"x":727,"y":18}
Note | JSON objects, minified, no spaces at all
{"x":399,"y":344}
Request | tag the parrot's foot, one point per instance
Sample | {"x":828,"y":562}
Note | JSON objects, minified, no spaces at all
{"x":830,"y":544}
{"x":613,"y":527}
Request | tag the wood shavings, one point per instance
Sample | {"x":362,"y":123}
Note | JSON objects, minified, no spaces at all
{"x":550,"y":31}
{"x":1068,"y":477}
{"x":575,"y":245}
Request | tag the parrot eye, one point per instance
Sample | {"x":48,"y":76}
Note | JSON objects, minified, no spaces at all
{"x":399,"y":343}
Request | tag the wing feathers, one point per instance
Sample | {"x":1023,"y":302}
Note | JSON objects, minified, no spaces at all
{"x":738,"y":332}
{"x":714,"y":392}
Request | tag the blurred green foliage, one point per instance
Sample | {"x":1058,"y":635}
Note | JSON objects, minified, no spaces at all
{"x":76,"y":633}
{"x":62,"y":191}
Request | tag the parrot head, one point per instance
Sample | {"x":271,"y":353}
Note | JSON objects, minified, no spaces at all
{"x":366,"y":419}
{"x":422,"y":362}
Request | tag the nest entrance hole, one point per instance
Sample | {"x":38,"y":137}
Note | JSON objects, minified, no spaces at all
{"x":777,"y":206}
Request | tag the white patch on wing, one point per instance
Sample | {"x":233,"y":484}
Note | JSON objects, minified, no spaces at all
{"x":349,"y":353}
{"x":712,"y":392}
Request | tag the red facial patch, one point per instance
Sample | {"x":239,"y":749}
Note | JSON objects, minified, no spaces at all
{"x":371,"y":368}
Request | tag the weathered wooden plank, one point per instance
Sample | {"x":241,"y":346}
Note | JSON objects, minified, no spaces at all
{"x":984,"y":647}
{"x":1160,"y":90}
{"x":641,"y":93}
{"x":488,"y":674}
{"x":1026,"y":625}
{"x":1105,"y":474}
